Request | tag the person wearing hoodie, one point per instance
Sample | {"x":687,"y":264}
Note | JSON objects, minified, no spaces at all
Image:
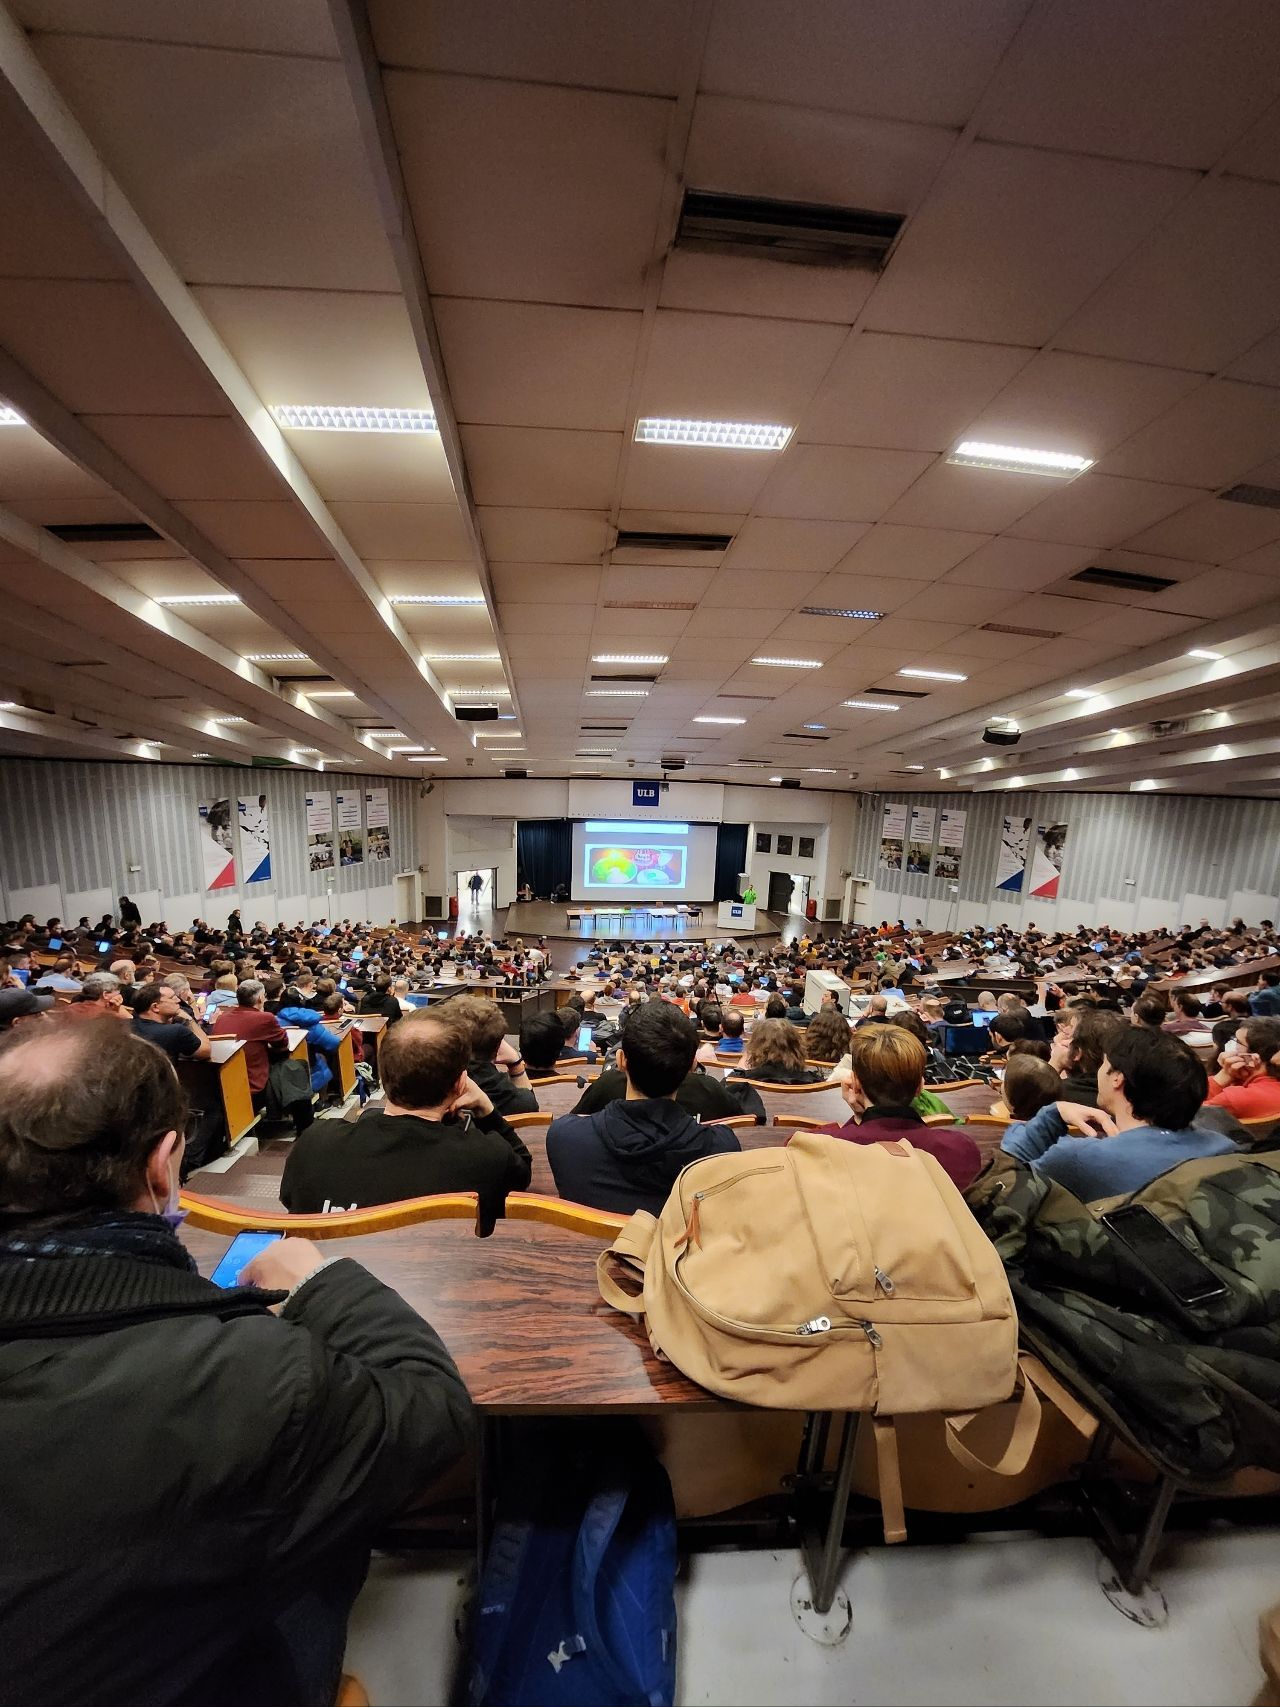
{"x":627,"y":1155}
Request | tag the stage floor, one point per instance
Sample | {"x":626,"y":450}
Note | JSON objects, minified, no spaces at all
{"x":550,"y":919}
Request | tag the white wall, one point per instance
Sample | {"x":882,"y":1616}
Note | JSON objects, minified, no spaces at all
{"x":479,"y":844}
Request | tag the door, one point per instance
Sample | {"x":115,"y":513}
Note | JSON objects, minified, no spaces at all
{"x":406,"y":898}
{"x":780,"y":887}
{"x":474,"y":896}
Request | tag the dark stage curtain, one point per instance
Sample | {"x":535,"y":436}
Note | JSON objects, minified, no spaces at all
{"x":544,"y":854}
{"x":731,"y":858}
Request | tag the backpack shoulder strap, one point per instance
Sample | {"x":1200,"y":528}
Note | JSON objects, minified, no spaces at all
{"x":892,"y":1514}
{"x":631,"y":1249}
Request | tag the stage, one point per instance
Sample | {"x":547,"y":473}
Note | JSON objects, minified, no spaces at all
{"x":594,"y":921}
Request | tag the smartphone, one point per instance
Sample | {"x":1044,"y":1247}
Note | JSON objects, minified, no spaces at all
{"x":55,"y":943}
{"x":104,"y":948}
{"x":342,"y":983}
{"x":1187,"y":1276}
{"x":239,"y":1254}
{"x":357,"y":954}
{"x":584,"y":1039}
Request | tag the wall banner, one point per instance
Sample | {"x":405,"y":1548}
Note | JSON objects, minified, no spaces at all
{"x":350,"y":831}
{"x":920,"y":844}
{"x":255,"y":838}
{"x":320,"y":834}
{"x":377,"y":818}
{"x":217,"y":851}
{"x":950,"y":844}
{"x":893,"y":830}
{"x":1015,"y":837}
{"x":1046,"y":860}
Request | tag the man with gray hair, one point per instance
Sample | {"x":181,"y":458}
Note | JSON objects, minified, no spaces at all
{"x":261,"y":1033}
{"x":100,"y":998}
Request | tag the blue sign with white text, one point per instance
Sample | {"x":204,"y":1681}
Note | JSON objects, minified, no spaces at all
{"x":644,"y":794}
{"x":736,"y":912}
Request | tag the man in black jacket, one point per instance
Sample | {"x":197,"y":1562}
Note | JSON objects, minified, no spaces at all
{"x":436,"y":1131}
{"x":190,"y":1481}
{"x":627,"y":1156}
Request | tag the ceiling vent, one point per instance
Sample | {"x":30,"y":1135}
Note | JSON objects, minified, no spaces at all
{"x":651,"y":604}
{"x":789,"y":782}
{"x":790,"y":737}
{"x":1165,"y":726}
{"x":894,"y":693}
{"x":1265,"y":497}
{"x":626,"y":676}
{"x":602,"y":728}
{"x":638,"y":539}
{"x":731,"y":698}
{"x":476,"y":713}
{"x":1124,"y":580}
{"x":808,"y":234}
{"x":515,"y":775}
{"x":102,"y":533}
{"x":673,"y":762}
{"x":1030,"y":633}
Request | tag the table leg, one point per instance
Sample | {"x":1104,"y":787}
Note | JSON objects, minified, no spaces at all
{"x":821,"y":1549}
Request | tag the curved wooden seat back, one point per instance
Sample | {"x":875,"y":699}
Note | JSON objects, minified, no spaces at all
{"x":732,"y":1120}
{"x":790,"y":1090}
{"x":535,"y":1117}
{"x":219,"y":1215}
{"x":559,"y":1212}
{"x":560,"y":1078}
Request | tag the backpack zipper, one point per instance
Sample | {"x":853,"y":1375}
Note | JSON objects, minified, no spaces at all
{"x":884,"y":1283}
{"x":692,"y":1227}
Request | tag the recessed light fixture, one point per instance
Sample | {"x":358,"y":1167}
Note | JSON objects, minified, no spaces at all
{"x":437,"y":599}
{"x":506,"y":717}
{"x":913,"y":767}
{"x":617,"y":693}
{"x":591,"y":752}
{"x":506,"y":735}
{"x":202,"y":755}
{"x":8,"y":705}
{"x":276,"y":658}
{"x":228,"y":721}
{"x":463,"y":657}
{"x":358,"y":418}
{"x":719,"y":435}
{"x":820,"y":770}
{"x":870,"y":705}
{"x":176,"y":599}
{"x":1071,"y":775}
{"x":9,"y":417}
{"x":629,"y":658}
{"x":775,"y":779}
{"x":306,"y":749}
{"x":836,"y":610}
{"x":1147,"y":782}
{"x":790,"y":663}
{"x":1016,"y":459}
{"x":933,"y":675}
{"x":1080,"y":693}
{"x":425,"y":758}
{"x":391,"y":751}
{"x":813,"y":725}
{"x":328,"y":693}
{"x":1202,"y":652}
{"x":147,"y":741}
{"x":382,"y":734}
{"x":719,"y":720}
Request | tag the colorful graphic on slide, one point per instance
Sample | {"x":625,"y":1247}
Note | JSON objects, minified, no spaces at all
{"x":631,"y":867}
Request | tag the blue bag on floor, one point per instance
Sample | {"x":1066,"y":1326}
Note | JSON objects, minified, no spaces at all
{"x":576,"y":1606}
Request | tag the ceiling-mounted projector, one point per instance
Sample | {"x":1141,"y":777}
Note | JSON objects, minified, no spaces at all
{"x":1002,"y":732}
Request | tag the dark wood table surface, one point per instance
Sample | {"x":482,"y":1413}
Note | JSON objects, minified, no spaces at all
{"x":1233,"y":977}
{"x":520,"y":1313}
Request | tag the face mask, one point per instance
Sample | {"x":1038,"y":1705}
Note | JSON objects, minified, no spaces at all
{"x":171,"y":1215}
{"x":1232,"y":1046}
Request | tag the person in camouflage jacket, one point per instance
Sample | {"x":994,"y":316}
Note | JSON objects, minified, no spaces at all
{"x":1196,"y":1386}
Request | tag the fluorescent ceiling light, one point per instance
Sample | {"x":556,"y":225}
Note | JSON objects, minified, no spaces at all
{"x":438,"y":599}
{"x":306,"y":749}
{"x":1146,"y":783}
{"x":10,"y":417}
{"x":1080,"y":693}
{"x":1070,"y":775}
{"x":589,"y":752}
{"x":790,"y":663}
{"x":359,"y":418}
{"x":200,"y":599}
{"x":775,"y":779}
{"x":870,"y":705}
{"x":721,"y":435}
{"x":227,"y":721}
{"x":719,"y":720}
{"x":474,"y":696}
{"x":1201,"y":652}
{"x":8,"y":705}
{"x":913,"y":767}
{"x":425,"y":758}
{"x":463,"y":657}
{"x":617,"y":693}
{"x":506,"y":735}
{"x":382,"y":734}
{"x":836,"y":610}
{"x":820,"y":770}
{"x":328,"y":693}
{"x":506,"y":717}
{"x":629,"y":658}
{"x":933,"y":675}
{"x":276,"y":658}
{"x":1016,"y":459}
{"x":813,"y":726}
{"x":202,"y":755}
{"x":147,"y":741}
{"x":393,"y":750}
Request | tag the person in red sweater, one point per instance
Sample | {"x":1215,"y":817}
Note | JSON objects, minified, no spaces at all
{"x":887,"y":1073}
{"x":1247,"y":1082}
{"x":261,"y":1033}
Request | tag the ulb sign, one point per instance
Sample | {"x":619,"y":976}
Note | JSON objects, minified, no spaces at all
{"x":644,"y":794}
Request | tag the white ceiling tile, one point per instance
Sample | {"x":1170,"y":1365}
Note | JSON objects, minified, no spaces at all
{"x":1261,"y":363}
{"x":517,"y":583}
{"x":375,"y":468}
{"x":1078,"y":404}
{"x":42,"y":234}
{"x":405,"y":575}
{"x":529,"y":465}
{"x":906,"y":393}
{"x":1019,"y":565}
{"x":728,"y":367}
{"x":840,"y":484}
{"x":693,"y":478}
{"x":768,"y":543}
{"x":1210,"y":532}
{"x":429,"y":532}
{"x":1211,"y":438}
{"x":1100,"y":510}
{"x":919,"y":554}
{"x":750,"y":285}
{"x":656,"y":582}
{"x":255,"y":529}
{"x":910,"y":61}
{"x":971,"y":500}
{"x":983,"y":646}
{"x":536,"y":535}
{"x":985,"y":257}
{"x":525,"y":364}
{"x":191,"y":456}
{"x":916,"y":637}
{"x":635,"y":630}
{"x":1257,"y":153}
{"x":567,"y":619}
{"x":1131,"y":627}
{"x":1043,"y":610}
{"x":285,"y":27}
{"x":853,"y":591}
{"x":1198,"y":293}
{"x":731,"y":619}
{"x":758,"y":588}
{"x":1217,"y":593}
{"x":530,"y":192}
{"x":30,"y":467}
{"x":955,"y":602}
{"x":1165,"y":80}
{"x":287,"y":204}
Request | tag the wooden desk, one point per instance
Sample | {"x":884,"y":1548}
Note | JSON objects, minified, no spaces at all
{"x":346,"y":1064}
{"x":371,"y":1028}
{"x":1232,"y":977}
{"x":223,"y":1078}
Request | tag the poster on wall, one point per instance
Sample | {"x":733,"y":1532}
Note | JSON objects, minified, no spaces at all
{"x":1015,"y":837}
{"x":920,"y":842}
{"x":893,"y":830}
{"x":377,"y":819}
{"x":320,"y":833}
{"x":216,"y":849}
{"x":1046,"y":860}
{"x":350,"y":831}
{"x":946,"y":861}
{"x":255,"y":838}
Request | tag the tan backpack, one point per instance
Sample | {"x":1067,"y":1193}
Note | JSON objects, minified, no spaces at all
{"x":829,"y":1276}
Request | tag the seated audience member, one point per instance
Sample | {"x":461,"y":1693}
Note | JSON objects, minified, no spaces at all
{"x":795,"y":1010}
{"x":63,"y":978}
{"x":1150,"y":1086}
{"x":877,"y":1011}
{"x":436,"y":1131}
{"x":127,"y":972}
{"x":1265,"y":1000}
{"x":732,"y":1039}
{"x":543,"y":1042}
{"x":222,"y":995}
{"x":1150,"y":1011}
{"x":155,"y":1423}
{"x":775,"y":1008}
{"x":496,"y":1068}
{"x":261,"y":1033}
{"x":627,"y":1156}
{"x":19,"y":1007}
{"x":826,"y":1038}
{"x":708,"y":1098}
{"x":323,"y":1042}
{"x":1235,"y":1010}
{"x":886,"y":1073}
{"x":1028,"y":1084}
{"x":158,"y":1018}
{"x":381,"y":1000}
{"x":100,"y":998}
{"x":775,"y":1053}
{"x":1186,"y":1014}
{"x":1078,"y":1047}
{"x":1246,"y":1083}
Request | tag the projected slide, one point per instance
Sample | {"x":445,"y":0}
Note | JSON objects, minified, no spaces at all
{"x":646,"y":865}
